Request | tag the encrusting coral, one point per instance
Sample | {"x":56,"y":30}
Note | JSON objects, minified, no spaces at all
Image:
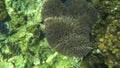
{"x":68,"y":26}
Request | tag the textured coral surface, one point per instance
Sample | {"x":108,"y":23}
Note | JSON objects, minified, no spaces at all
{"x":68,"y":26}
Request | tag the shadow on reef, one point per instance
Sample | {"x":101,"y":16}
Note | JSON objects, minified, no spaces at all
{"x":3,"y":28}
{"x":3,"y":18}
{"x":63,"y":1}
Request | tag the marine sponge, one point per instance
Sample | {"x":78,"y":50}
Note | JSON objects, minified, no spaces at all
{"x":68,"y":26}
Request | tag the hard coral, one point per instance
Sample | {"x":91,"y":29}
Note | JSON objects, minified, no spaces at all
{"x":68,"y":26}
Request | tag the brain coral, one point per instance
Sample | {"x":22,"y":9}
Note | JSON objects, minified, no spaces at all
{"x":68,"y":26}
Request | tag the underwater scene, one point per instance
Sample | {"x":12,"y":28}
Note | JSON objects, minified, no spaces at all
{"x":59,"y":33}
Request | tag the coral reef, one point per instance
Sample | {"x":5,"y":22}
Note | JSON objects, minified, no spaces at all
{"x":25,"y":46}
{"x":109,"y":41}
{"x":68,"y":26}
{"x":25,"y":34}
{"x":106,"y":31}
